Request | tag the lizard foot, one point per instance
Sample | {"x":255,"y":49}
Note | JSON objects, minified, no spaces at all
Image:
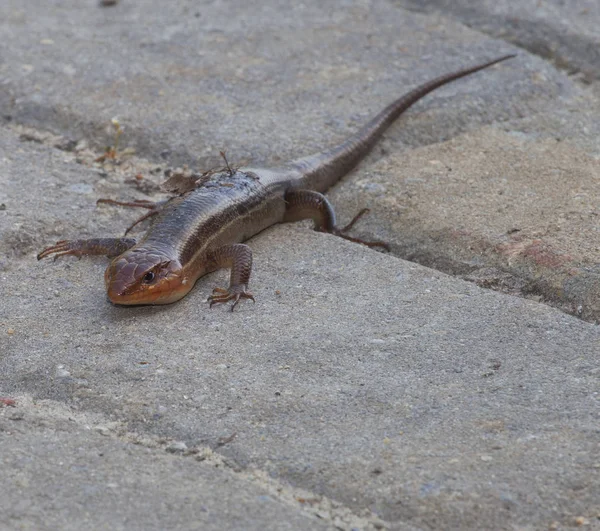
{"x":235,"y":293}
{"x":110,"y":247}
{"x":62,"y":248}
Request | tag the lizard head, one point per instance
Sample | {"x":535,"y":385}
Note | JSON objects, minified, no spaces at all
{"x":139,"y":276}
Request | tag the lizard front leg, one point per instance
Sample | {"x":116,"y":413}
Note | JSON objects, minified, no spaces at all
{"x":308,"y":204}
{"x":109,"y":247}
{"x":237,"y":257}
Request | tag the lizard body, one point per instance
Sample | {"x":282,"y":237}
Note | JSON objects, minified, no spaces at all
{"x":203,"y":228}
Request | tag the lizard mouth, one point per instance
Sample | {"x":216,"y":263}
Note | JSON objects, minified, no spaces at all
{"x":168,"y":291}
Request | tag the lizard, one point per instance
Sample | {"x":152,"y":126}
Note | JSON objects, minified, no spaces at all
{"x":203,"y":227}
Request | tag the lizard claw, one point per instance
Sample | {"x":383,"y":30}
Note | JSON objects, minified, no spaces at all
{"x":235,"y":293}
{"x":62,"y":248}
{"x":342,"y":232}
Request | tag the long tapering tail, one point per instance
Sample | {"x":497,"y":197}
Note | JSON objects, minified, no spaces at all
{"x":321,"y":170}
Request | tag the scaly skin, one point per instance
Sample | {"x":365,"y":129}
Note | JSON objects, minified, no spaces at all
{"x":202,"y":229}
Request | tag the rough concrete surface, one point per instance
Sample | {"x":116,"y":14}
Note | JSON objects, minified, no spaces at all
{"x":361,"y":391}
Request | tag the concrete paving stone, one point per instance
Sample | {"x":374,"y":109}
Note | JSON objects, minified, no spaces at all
{"x":62,"y":469}
{"x":515,"y":208}
{"x":265,"y":81}
{"x":566,"y":33}
{"x":380,"y":384}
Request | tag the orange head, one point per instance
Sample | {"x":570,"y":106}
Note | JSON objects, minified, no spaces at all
{"x":139,"y":276}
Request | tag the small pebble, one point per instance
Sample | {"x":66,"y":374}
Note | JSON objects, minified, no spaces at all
{"x":176,"y":447}
{"x":81,"y":188}
{"x":61,"y":372}
{"x":81,"y":145}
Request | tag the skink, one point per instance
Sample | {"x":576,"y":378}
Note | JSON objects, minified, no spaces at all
{"x":202,"y":229}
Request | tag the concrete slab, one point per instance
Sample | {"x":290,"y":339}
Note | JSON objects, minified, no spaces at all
{"x":380,"y":384}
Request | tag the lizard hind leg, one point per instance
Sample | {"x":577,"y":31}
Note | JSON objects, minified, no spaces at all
{"x":308,"y":204}
{"x":153,"y":207}
{"x":238,"y":257}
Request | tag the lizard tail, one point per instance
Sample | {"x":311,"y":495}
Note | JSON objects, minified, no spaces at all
{"x":321,"y":170}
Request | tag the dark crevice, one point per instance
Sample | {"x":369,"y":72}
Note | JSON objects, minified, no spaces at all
{"x":496,"y":277}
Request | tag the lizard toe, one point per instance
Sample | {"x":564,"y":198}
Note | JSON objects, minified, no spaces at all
{"x":234,"y":293}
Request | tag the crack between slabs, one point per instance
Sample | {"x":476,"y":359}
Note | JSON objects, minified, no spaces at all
{"x":328,"y":511}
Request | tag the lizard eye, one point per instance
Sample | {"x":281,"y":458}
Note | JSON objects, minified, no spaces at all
{"x":148,"y":277}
